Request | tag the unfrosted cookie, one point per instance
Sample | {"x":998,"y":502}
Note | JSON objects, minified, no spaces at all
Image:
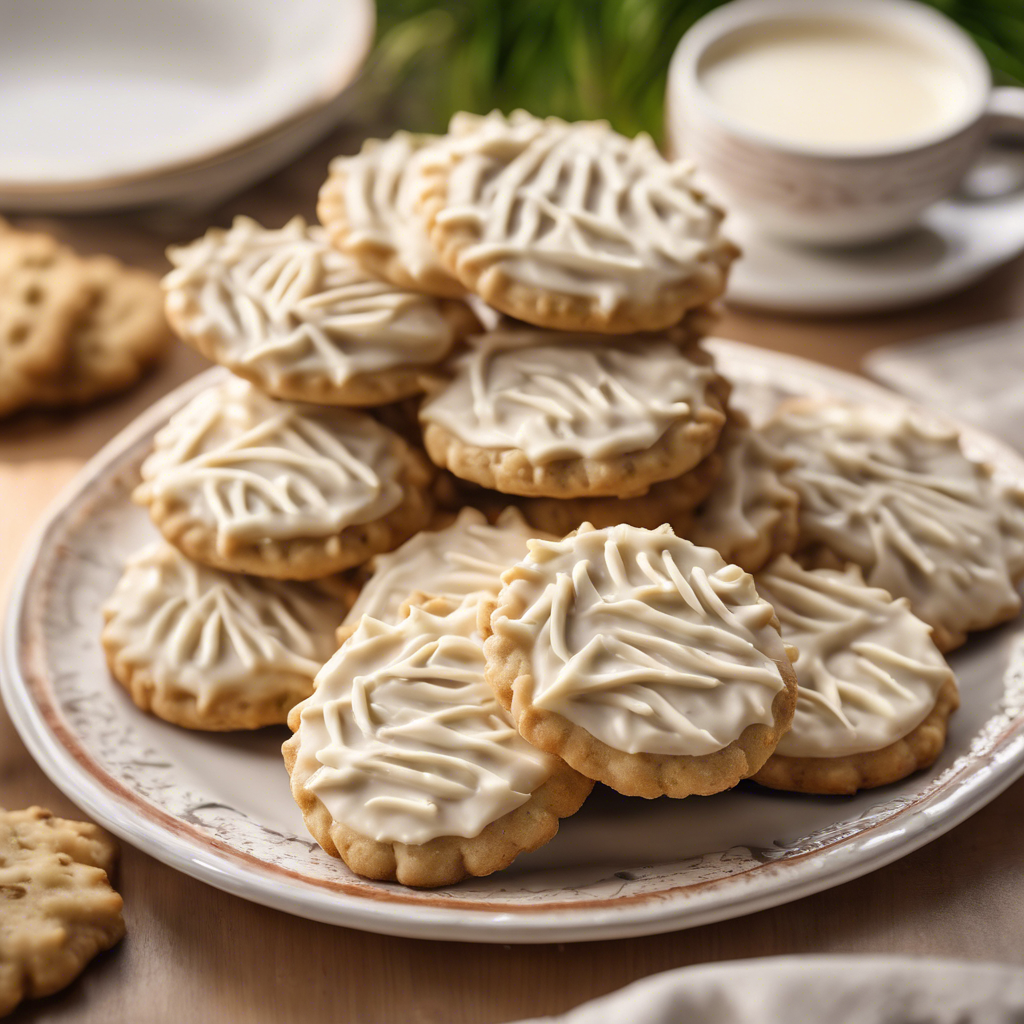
{"x":245,"y":483}
{"x":407,"y":768}
{"x":57,"y":909}
{"x":572,"y":226}
{"x":284,"y":309}
{"x":466,"y":557}
{"x":570,"y":415}
{"x":43,"y":294}
{"x":750,"y":515}
{"x":875,"y":692}
{"x":641,"y":660}
{"x":892,"y":492}
{"x":212,"y":650}
{"x":368,"y":207}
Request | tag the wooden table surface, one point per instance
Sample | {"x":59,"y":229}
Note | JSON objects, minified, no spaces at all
{"x":196,"y":955}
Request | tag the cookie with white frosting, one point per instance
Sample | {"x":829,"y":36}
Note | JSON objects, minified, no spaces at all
{"x":750,"y":515}
{"x":287,"y":311}
{"x":892,"y":492}
{"x":368,"y":208}
{"x":59,"y":909}
{"x":407,"y":768}
{"x":572,"y":226}
{"x":643,"y":661}
{"x":572,"y":415}
{"x":875,"y":692}
{"x":246,"y":483}
{"x":212,"y":650}
{"x":464,"y":558}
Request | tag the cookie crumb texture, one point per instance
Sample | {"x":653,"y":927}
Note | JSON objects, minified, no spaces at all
{"x":57,"y":908}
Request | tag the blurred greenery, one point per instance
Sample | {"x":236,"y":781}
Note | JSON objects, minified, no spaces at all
{"x":582,"y":58}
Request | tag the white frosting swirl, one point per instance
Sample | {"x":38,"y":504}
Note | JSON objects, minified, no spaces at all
{"x":576,"y":208}
{"x":210,"y":633}
{"x":893,"y":493}
{"x":404,"y":742}
{"x":555,"y":395}
{"x":868,"y":670}
{"x":284,"y":303}
{"x":465,"y":558}
{"x":651,"y":644}
{"x":253,"y":468}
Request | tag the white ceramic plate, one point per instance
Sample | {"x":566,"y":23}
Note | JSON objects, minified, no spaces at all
{"x":95,"y":94}
{"x":218,"y":807}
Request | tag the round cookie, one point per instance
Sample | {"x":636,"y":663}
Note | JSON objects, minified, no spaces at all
{"x":302,"y":321}
{"x":572,"y":226}
{"x":750,"y":515}
{"x":245,"y":483}
{"x":893,"y":493}
{"x":466,"y":557}
{"x":643,"y":661}
{"x":205,"y":649}
{"x":59,"y":910}
{"x":406,"y":767}
{"x":875,"y":692}
{"x":570,"y":415}
{"x":368,"y":208}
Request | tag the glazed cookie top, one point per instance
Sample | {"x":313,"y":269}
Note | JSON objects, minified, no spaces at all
{"x":648,"y":642}
{"x":254,"y":468}
{"x":556,"y":395}
{"x":467,"y":557}
{"x":369,"y":202}
{"x":893,"y":492}
{"x":208,"y":632}
{"x":576,"y":208}
{"x":281,"y":302}
{"x":404,"y":742}
{"x":749,"y":495}
{"x":868,"y":670}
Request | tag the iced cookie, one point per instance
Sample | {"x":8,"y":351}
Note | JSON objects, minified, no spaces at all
{"x":407,"y":768}
{"x":57,"y":909}
{"x":572,"y":226}
{"x":245,"y":483}
{"x":211,"y":650}
{"x":301,"y":320}
{"x":875,"y":692}
{"x":570,"y":415}
{"x":750,"y":515}
{"x":642,"y":660}
{"x":893,"y":493}
{"x":368,"y":207}
{"x":467,"y":557}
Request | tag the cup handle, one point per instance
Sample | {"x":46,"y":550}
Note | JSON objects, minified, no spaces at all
{"x":1004,"y":117}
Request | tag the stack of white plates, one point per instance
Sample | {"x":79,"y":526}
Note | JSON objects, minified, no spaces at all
{"x":111,"y":104}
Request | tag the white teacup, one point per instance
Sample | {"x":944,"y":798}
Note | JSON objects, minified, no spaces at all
{"x":803,"y":171}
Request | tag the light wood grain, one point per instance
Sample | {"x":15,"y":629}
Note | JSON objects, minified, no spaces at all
{"x":195,"y":954}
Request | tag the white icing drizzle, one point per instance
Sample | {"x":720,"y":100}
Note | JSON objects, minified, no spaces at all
{"x":381,"y":188}
{"x":893,"y":493}
{"x":748,"y":497}
{"x":576,"y":208}
{"x":868,"y":670}
{"x":465,"y":558}
{"x":404,"y":742}
{"x":210,"y":633}
{"x":285,"y":302}
{"x":651,"y":644}
{"x":254,"y":468}
{"x":556,"y":395}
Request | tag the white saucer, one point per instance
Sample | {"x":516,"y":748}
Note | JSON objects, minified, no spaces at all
{"x":959,"y":241}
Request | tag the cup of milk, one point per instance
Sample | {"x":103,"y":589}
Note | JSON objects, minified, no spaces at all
{"x":833,"y":121}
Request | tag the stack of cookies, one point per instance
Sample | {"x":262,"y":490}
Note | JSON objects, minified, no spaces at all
{"x":471,"y":422}
{"x":72,"y":329}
